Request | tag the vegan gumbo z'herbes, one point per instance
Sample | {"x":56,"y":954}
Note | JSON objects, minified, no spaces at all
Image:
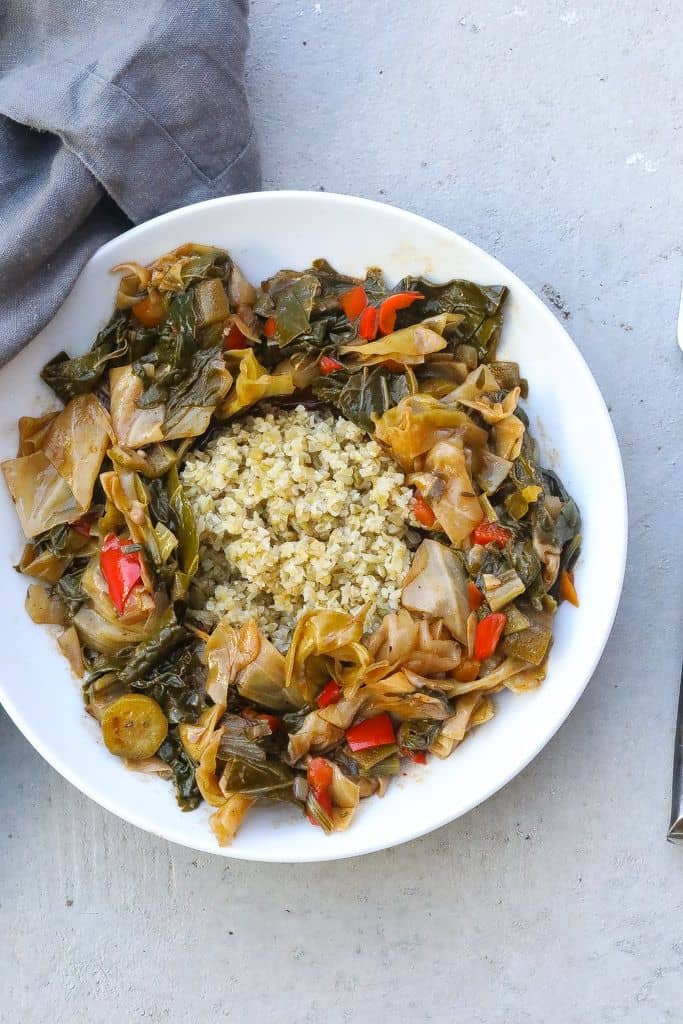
{"x":291,"y":535}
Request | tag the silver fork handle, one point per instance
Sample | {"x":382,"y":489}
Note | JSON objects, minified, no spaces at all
{"x":676,"y":825}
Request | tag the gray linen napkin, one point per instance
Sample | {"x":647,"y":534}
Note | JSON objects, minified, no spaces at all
{"x":110,"y":113}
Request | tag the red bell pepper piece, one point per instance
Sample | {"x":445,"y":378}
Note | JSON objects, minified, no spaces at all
{"x":319,"y":777}
{"x":367,"y":325}
{"x":270,"y":327}
{"x":418,"y":756}
{"x":354,"y":301}
{"x":390,"y":307}
{"x":121,"y":571}
{"x":329,"y":694}
{"x":490,"y":533}
{"x":489,"y":632}
{"x":474,"y":596}
{"x":373,"y":732}
{"x":422,"y":511}
{"x":235,"y":339}
{"x":319,"y":773}
{"x":329,"y":365}
{"x":274,"y":723}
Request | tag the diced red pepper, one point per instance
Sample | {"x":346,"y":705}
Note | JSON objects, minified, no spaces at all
{"x":418,"y":756}
{"x":325,"y":801}
{"x":235,"y":339}
{"x":489,"y":632}
{"x":81,"y":526}
{"x":474,"y":596}
{"x":274,"y":723}
{"x":319,"y":773}
{"x":329,"y":365}
{"x":567,"y":588}
{"x":373,"y":732}
{"x":390,"y":307}
{"x":121,"y":571}
{"x":270,"y":327}
{"x":354,"y":301}
{"x":367,"y":325}
{"x":329,"y":694}
{"x":319,"y":777}
{"x":490,"y":533}
{"x":422,"y":511}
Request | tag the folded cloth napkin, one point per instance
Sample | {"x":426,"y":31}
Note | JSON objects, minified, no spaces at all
{"x":110,"y":113}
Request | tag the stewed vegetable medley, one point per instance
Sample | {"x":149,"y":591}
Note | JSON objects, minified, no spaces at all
{"x":293,"y":536}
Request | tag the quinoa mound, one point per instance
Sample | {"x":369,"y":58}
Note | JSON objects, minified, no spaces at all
{"x":298,"y":510}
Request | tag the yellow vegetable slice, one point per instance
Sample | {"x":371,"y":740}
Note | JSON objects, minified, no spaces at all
{"x":134,"y":726}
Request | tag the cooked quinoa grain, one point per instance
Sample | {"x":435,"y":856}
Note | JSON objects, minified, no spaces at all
{"x":297,"y":510}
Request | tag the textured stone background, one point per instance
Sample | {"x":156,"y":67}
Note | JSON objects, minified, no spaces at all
{"x":550,"y":134}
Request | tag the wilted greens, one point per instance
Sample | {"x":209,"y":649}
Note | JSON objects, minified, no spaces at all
{"x":113,"y":545}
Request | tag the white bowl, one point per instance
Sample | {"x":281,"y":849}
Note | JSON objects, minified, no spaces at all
{"x":264,"y":232}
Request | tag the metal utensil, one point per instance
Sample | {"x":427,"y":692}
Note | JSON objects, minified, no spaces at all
{"x":676,"y":823}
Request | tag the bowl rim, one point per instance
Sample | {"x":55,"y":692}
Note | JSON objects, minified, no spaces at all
{"x":619,"y":512}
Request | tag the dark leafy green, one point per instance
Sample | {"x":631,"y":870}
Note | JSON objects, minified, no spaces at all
{"x":68,"y":588}
{"x":55,"y":540}
{"x":172,"y":753}
{"x":288,"y":297}
{"x":69,"y":377}
{"x":568,"y":523}
{"x":294,"y":720}
{"x":201,"y":385}
{"x":377,"y":761}
{"x":240,"y":738}
{"x":199,"y":266}
{"x":332,"y":283}
{"x":359,"y":395}
{"x":172,"y":356}
{"x":159,"y":503}
{"x":147,"y":655}
{"x":271,"y":779}
{"x":293,"y":307}
{"x":481,"y":307}
{"x":418,"y":734}
{"x":177,"y":684}
{"x":187,"y":532}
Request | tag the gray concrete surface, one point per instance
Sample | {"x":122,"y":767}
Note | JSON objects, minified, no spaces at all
{"x":549,"y":133}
